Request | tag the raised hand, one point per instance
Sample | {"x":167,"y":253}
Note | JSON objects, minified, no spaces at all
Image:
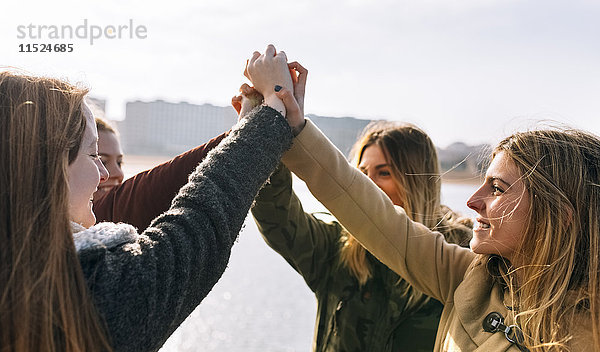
{"x":294,"y":102}
{"x":246,"y":101}
{"x":268,"y":70}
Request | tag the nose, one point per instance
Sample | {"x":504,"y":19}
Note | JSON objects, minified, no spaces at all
{"x":117,"y":172}
{"x":476,"y":201}
{"x":103,"y":172}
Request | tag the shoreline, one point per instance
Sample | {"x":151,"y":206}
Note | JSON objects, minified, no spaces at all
{"x":134,"y":164}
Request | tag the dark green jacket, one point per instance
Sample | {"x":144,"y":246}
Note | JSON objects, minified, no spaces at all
{"x":379,"y":316}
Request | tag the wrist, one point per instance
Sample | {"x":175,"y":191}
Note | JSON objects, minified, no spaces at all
{"x":296,"y":129}
{"x":274,"y":102}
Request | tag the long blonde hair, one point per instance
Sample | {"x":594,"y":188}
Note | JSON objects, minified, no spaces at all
{"x":44,"y":300}
{"x":561,"y":244}
{"x":416,"y":173}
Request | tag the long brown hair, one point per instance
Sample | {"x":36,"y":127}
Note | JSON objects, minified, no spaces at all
{"x":44,"y":300}
{"x":560,"y":288}
{"x":416,"y":173}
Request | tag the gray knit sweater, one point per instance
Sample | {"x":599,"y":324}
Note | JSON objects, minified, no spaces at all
{"x":145,"y":285}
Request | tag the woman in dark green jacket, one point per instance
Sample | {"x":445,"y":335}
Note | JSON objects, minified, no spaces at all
{"x":363,"y":305}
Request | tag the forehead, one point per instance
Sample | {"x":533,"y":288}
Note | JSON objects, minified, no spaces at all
{"x":502,"y":166}
{"x":91,"y":133}
{"x":108,"y":143}
{"x":372,"y":155}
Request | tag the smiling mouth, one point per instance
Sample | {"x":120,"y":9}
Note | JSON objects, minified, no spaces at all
{"x":481,"y":224}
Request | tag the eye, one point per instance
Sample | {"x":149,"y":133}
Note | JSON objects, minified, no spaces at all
{"x":120,"y":163}
{"x":95,"y":156}
{"x":384,"y":173}
{"x":497,"y":190}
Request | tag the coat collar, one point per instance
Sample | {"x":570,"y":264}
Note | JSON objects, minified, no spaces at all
{"x":480,"y":295}
{"x":104,"y":234}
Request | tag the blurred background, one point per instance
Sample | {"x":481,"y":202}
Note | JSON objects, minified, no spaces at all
{"x":469,"y":70}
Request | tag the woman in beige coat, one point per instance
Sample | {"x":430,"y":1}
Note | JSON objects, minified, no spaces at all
{"x":531,"y":280}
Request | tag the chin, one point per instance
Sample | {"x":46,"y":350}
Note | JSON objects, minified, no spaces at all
{"x":480,"y":247}
{"x":89,"y":222}
{"x":90,"y":218}
{"x":100,"y":193}
{"x":474,"y":245}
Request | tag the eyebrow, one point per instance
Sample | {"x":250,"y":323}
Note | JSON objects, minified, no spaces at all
{"x":377,"y":167}
{"x":496,"y":178}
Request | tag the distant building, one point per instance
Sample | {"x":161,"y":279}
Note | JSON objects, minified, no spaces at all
{"x":163,"y":128}
{"x":342,"y":131}
{"x":168,"y":129}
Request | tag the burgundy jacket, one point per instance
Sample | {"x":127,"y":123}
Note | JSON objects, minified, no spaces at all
{"x":143,"y":197}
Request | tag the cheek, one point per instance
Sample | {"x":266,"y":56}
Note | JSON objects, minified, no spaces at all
{"x":386,"y":186}
{"x":389,"y":187}
{"x":112,"y":169}
{"x":92,"y":176}
{"x":503,"y":212}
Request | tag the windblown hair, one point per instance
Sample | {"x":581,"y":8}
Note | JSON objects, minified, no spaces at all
{"x":560,"y":288}
{"x":104,"y":126}
{"x":44,"y":301}
{"x":416,"y":173}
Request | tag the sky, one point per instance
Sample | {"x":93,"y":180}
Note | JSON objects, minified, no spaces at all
{"x":471,"y":70}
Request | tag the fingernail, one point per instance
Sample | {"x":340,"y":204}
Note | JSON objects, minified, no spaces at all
{"x":277,"y":88}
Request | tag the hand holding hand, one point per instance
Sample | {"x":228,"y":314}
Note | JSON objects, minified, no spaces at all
{"x":246,"y":101}
{"x":268,"y":70}
{"x":294,"y":102}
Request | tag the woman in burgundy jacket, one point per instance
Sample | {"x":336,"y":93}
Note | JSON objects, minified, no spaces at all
{"x":143,"y":197}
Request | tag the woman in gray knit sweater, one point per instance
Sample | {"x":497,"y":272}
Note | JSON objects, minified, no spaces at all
{"x":67,"y":287}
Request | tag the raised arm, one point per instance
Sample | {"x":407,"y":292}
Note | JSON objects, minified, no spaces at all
{"x":145,"y":288}
{"x":418,"y":255}
{"x":305,"y":242}
{"x":143,"y":197}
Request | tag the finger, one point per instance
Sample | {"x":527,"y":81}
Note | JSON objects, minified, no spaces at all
{"x":245,"y":89}
{"x":270,"y":51}
{"x":246,"y":70}
{"x":291,"y":105}
{"x":299,"y":68}
{"x":236,"y":102}
{"x":300,"y":85}
{"x":254,"y":57}
{"x":293,"y":75}
{"x":294,"y":114}
{"x":282,"y":55}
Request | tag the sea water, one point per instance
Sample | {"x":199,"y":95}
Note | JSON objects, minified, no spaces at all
{"x":260,"y":303}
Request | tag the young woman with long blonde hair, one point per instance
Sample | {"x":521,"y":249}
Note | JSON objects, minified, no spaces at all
{"x":532,"y":279}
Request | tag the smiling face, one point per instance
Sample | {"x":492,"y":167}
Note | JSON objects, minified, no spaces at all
{"x":85,"y":173}
{"x":111,"y":155}
{"x":502,"y":203}
{"x":374,"y":164}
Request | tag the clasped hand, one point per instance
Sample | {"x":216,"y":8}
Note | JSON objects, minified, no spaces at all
{"x":281,"y":85}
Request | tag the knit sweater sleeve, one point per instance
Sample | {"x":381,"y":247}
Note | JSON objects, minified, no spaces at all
{"x":146,"y":288}
{"x":308,"y":244}
{"x":143,"y":197}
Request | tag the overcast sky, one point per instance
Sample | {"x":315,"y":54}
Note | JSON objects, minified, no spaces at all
{"x":468,"y":70}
